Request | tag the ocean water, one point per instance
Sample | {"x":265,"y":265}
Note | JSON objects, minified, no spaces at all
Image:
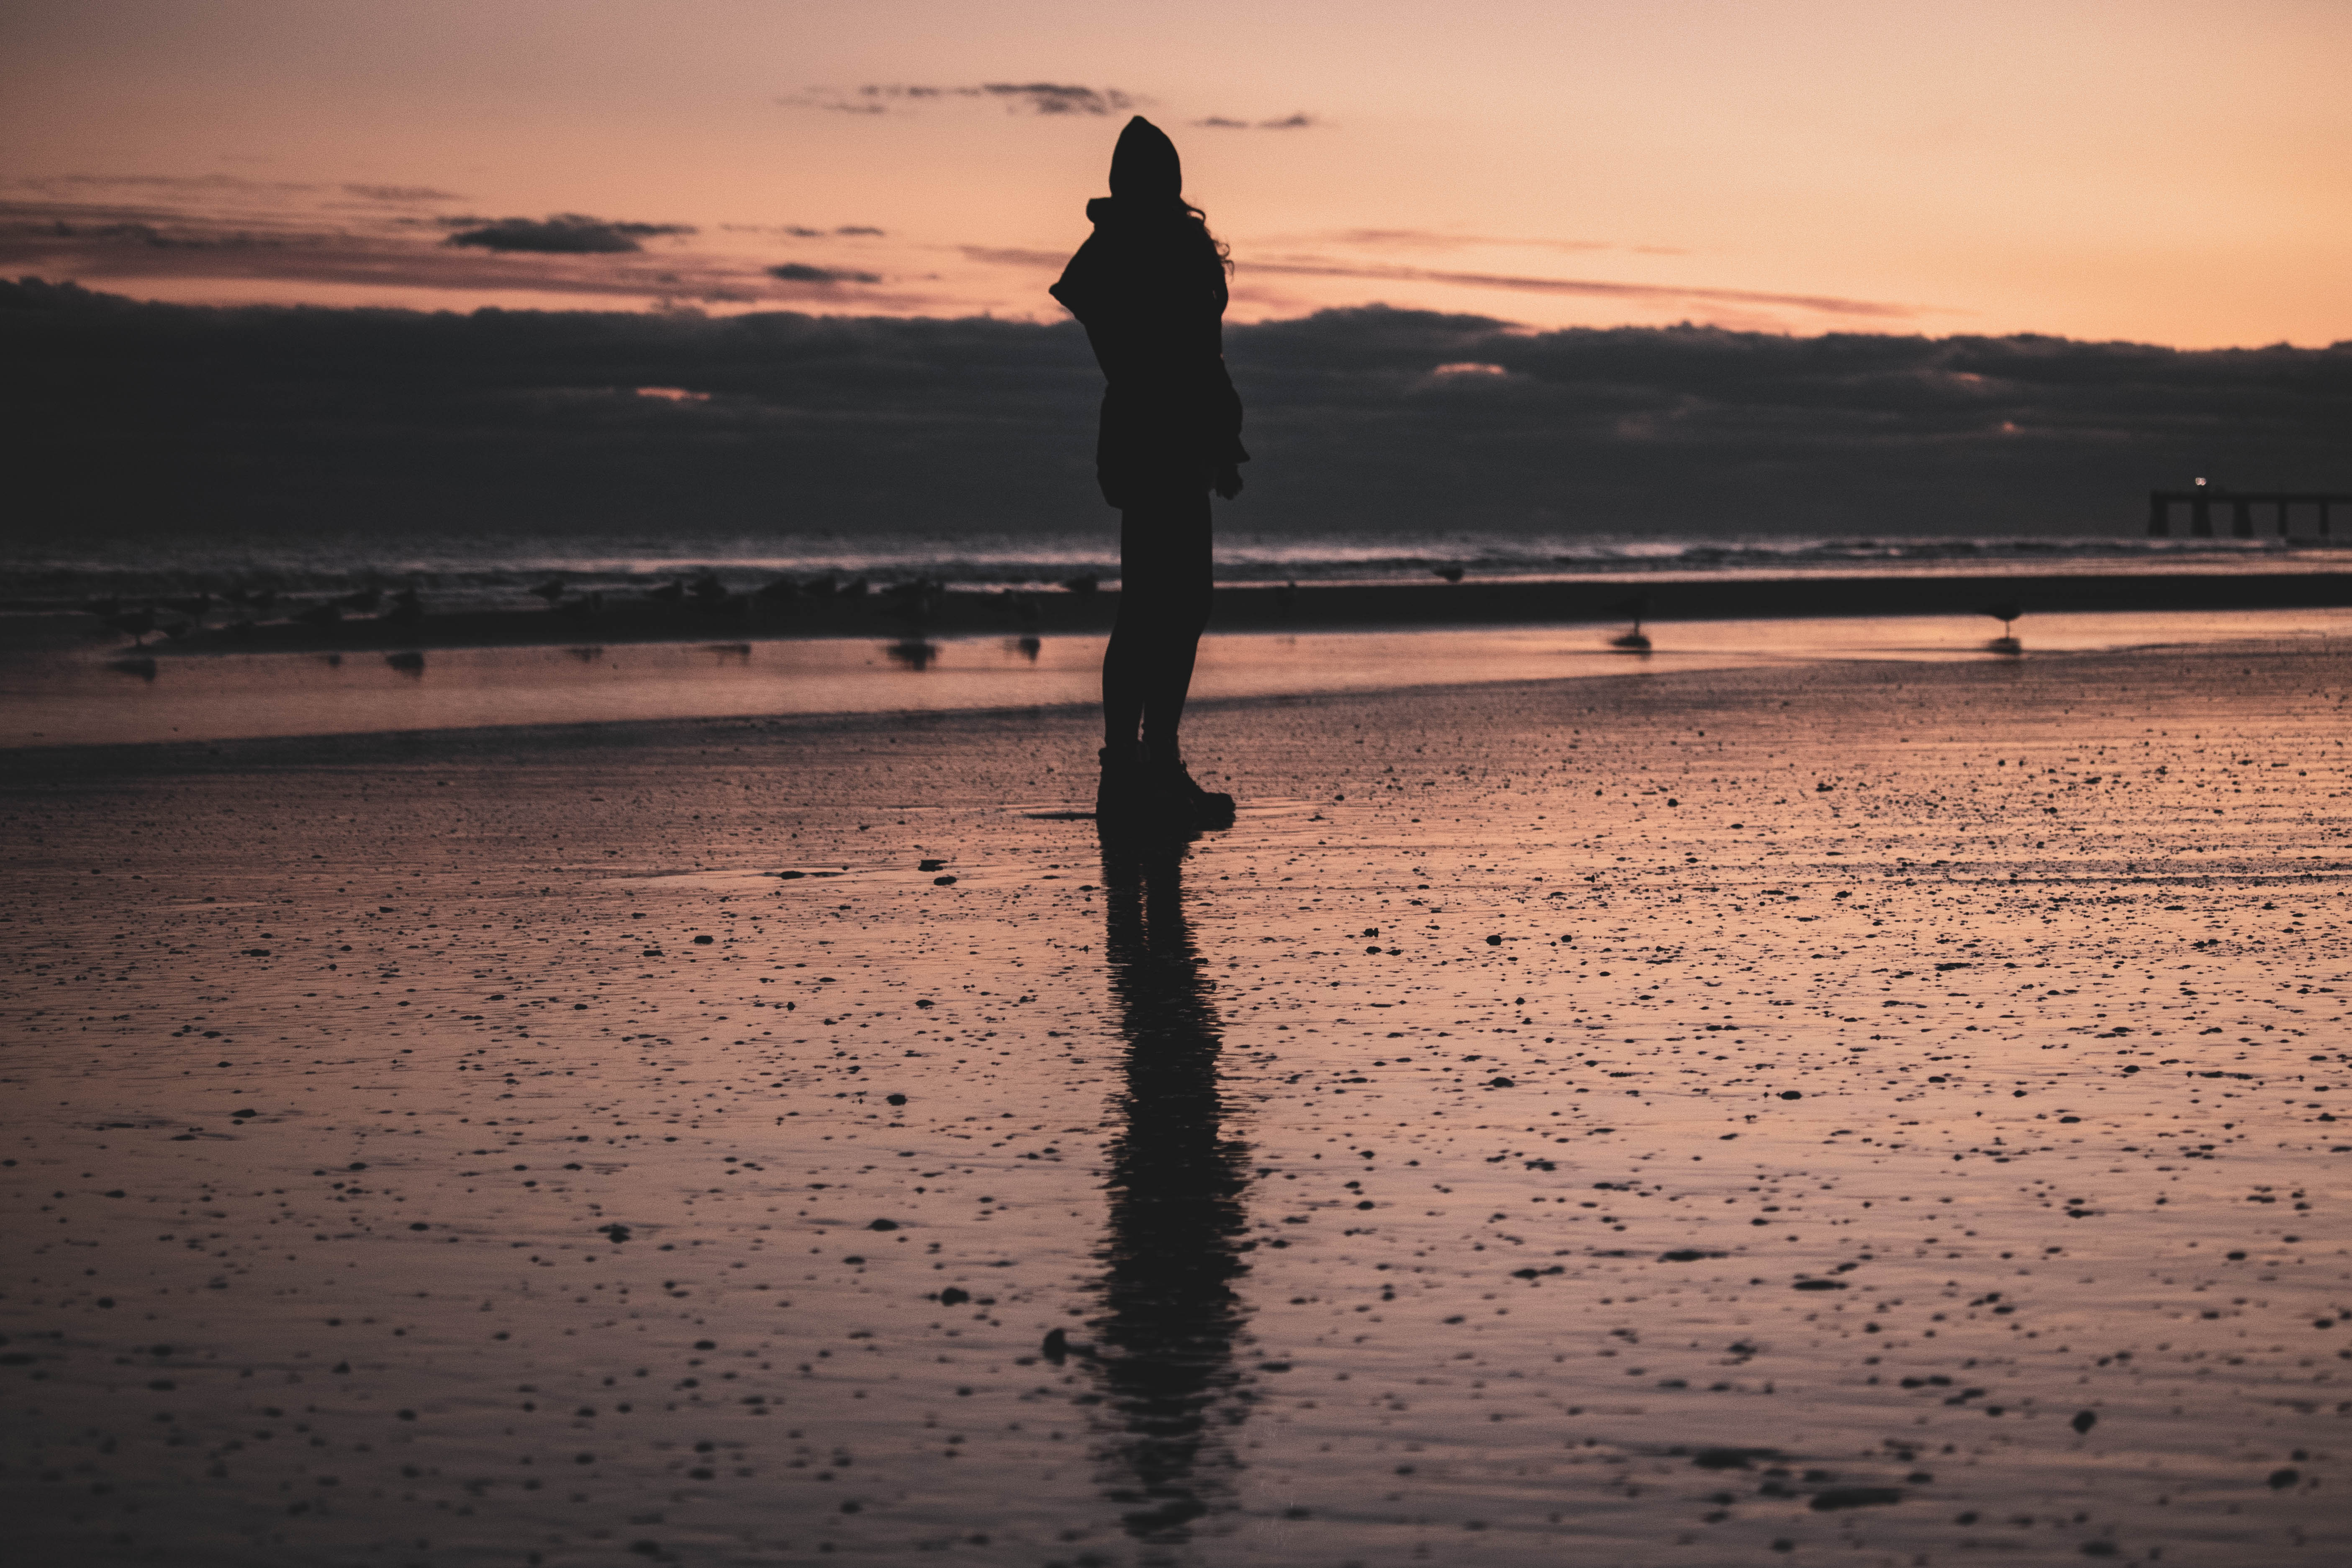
{"x":478,"y":571}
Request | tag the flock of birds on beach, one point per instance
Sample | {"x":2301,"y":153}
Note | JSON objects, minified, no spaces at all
{"x":178,"y":619}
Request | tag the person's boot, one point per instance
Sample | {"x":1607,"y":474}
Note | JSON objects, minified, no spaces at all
{"x":1174,"y":784}
{"x":1123,"y":794}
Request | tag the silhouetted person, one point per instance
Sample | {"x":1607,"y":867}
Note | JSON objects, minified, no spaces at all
{"x":1149,"y":286}
{"x":1170,"y":1316}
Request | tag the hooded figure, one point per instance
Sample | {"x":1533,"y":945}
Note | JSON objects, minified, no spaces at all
{"x":1150,"y":288}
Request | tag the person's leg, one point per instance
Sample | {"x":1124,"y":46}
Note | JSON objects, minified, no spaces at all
{"x":1163,"y":604}
{"x":1123,"y":680}
{"x":1165,"y":570}
{"x":1180,"y":597}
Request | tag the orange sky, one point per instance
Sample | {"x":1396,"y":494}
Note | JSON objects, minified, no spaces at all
{"x":2164,"y":171}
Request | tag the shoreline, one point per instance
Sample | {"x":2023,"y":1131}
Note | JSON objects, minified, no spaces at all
{"x":629,"y":732}
{"x":1240,"y":608}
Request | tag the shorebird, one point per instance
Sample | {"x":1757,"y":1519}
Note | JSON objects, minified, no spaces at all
{"x":551,"y":590}
{"x":1633,"y":641}
{"x":2005,"y":611}
{"x":138,"y":623}
{"x":912,"y":602}
{"x":1451,"y":574}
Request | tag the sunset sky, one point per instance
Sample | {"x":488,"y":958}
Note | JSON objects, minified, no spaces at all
{"x":2164,"y":171}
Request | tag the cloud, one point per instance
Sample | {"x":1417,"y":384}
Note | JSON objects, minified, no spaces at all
{"x":134,"y":235}
{"x":1047,"y":98}
{"x":1052,"y":98}
{"x":801,"y":272}
{"x":1669,"y":293}
{"x":1013,"y":256}
{"x":1435,"y":239}
{"x":564,"y":234}
{"x":803,"y":231}
{"x":401,"y":194}
{"x":179,"y":425}
{"x":291,"y":256}
{"x":212,"y":184}
{"x":1288,"y":122}
{"x":152,"y":237}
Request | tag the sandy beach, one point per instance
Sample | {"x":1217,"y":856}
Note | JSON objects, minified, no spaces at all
{"x":797,"y":1139}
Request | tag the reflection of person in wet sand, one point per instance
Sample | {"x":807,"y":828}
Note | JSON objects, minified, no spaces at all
{"x":1169,"y":1316}
{"x":1149,"y":286}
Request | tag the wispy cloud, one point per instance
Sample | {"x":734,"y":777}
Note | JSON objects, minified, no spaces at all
{"x":1048,"y":98}
{"x":1594,"y":287}
{"x":1439,"y":239}
{"x":401,"y":195}
{"x":563,"y":234}
{"x":1013,"y":256}
{"x":213,"y":185}
{"x":148,"y":239}
{"x":1288,"y":122}
{"x":801,"y":272}
{"x":803,"y":231}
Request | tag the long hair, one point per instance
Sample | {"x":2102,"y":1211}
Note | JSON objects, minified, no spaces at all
{"x":1215,"y":247}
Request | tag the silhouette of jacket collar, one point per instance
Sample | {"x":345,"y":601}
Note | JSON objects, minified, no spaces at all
{"x":1110,"y":212}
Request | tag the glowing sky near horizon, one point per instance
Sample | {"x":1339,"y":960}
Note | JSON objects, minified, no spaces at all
{"x":2161,"y":171}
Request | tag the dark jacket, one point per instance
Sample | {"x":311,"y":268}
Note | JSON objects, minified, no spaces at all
{"x":1151,"y":292}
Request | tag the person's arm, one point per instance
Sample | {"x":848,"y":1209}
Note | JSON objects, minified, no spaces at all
{"x":1229,"y":472}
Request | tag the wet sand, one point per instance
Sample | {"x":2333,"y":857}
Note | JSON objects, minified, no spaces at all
{"x":481,"y":1146}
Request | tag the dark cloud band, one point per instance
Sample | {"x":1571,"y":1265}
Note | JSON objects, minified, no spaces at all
{"x":151,"y":421}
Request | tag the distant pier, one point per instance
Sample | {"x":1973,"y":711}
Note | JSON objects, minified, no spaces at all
{"x":2202,"y":502}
